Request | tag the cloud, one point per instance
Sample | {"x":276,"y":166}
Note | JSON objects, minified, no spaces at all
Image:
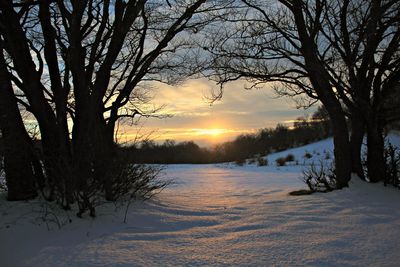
{"x":239,"y":110}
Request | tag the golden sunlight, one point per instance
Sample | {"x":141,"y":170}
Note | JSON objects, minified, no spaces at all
{"x":210,"y":132}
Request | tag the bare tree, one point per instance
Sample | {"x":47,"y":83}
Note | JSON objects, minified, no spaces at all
{"x":277,"y":43}
{"x":82,"y":62}
{"x":18,"y":154}
{"x":342,"y":53}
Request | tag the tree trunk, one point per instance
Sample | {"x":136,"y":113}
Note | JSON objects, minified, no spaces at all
{"x":18,"y":48}
{"x":94,"y":149}
{"x":107,"y":165}
{"x":375,"y":154}
{"x":18,"y":151}
{"x":356,"y":139}
{"x":320,"y":80}
{"x":342,"y":150}
{"x":83,"y":154}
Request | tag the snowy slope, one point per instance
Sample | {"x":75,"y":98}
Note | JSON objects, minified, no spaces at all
{"x":216,"y":215}
{"x":321,"y":150}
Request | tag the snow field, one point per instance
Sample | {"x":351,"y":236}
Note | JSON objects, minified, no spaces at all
{"x":216,"y":215}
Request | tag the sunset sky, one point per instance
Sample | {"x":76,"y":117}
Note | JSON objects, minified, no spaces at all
{"x":239,"y":111}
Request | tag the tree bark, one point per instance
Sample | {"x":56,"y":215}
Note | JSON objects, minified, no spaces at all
{"x":375,"y":154}
{"x":105,"y":161}
{"x":342,"y":150}
{"x":94,"y":149}
{"x":356,"y":139}
{"x":18,"y":150}
{"x":320,"y":80}
{"x":18,"y":48}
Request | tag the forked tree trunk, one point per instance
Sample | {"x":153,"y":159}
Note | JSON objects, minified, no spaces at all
{"x":19,"y":50}
{"x":18,"y":149}
{"x":342,"y":151}
{"x":320,"y":80}
{"x":94,"y":149}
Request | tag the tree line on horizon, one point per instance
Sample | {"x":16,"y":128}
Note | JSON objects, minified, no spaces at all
{"x":79,"y":68}
{"x":245,"y":146}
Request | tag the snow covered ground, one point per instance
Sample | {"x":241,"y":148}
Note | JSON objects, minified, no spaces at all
{"x":216,"y":215}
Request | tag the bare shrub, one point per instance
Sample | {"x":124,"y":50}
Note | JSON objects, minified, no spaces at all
{"x":123,"y":180}
{"x":138,"y":182}
{"x":51,"y":215}
{"x":3,"y":185}
{"x":88,"y":197}
{"x":252,"y":161}
{"x":130,"y":182}
{"x":240,"y":162}
{"x":281,"y":161}
{"x":327,"y":155}
{"x":290,"y":157}
{"x":308,"y":155}
{"x":392,"y":165}
{"x":262,"y":161}
{"x":392,"y":171}
{"x":319,"y":178}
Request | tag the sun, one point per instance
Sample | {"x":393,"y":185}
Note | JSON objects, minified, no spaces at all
{"x":211,"y":132}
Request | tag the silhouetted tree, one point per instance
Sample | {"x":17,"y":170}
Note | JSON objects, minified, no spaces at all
{"x":343,"y":53}
{"x":364,"y":39}
{"x":17,"y":147}
{"x":83,"y":63}
{"x":278,"y":43}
